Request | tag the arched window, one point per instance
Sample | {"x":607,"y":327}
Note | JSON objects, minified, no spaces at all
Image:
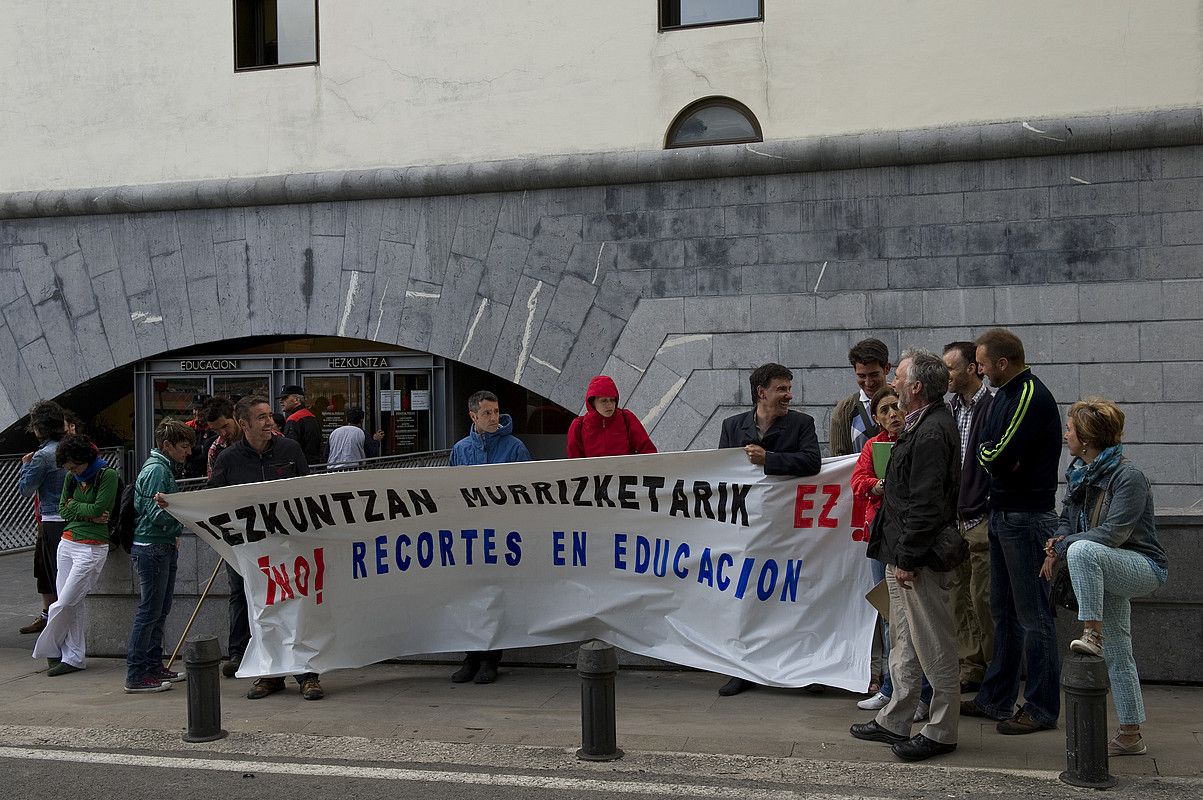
{"x":713,"y":120}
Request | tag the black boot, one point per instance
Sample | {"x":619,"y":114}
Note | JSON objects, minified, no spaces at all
{"x":468,"y":670}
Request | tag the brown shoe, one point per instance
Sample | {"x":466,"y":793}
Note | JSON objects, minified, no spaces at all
{"x":969,"y":708}
{"x":265,"y":686}
{"x":311,"y":689}
{"x":1022,"y":723}
{"x":36,"y":626}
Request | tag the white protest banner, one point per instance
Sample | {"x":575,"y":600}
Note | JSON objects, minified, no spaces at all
{"x":695,"y":558}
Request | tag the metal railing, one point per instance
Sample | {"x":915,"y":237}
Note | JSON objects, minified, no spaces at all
{"x":432,"y":458}
{"x":17,"y":529}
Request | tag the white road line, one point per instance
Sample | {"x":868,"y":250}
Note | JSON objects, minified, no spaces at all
{"x":419,"y":775}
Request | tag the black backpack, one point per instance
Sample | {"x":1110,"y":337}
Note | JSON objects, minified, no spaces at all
{"x":124,"y":518}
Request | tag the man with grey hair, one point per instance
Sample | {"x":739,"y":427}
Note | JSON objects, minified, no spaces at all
{"x":920,"y":505}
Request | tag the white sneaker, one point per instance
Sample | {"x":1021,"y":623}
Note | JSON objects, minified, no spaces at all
{"x":873,"y":703}
{"x":922,"y":712}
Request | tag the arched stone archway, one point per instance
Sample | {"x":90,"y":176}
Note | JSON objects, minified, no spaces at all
{"x":675,"y":287}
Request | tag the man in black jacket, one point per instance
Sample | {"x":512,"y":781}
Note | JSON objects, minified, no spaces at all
{"x":919,"y":505}
{"x":969,"y":401}
{"x":781,"y":441}
{"x":1021,"y":449}
{"x":258,"y":456}
{"x":301,"y":425}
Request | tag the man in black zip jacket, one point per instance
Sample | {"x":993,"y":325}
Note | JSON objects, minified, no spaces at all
{"x":1021,"y":450}
{"x":258,"y":456}
{"x":918,"y":508}
{"x":774,"y":438}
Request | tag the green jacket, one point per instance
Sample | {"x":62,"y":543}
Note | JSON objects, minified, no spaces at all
{"x":154,"y":525}
{"x":91,"y":500}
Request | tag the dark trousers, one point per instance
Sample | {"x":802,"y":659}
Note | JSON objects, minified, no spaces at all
{"x":45,"y":556}
{"x":492,"y":657}
{"x":240,"y":625}
{"x":155,"y":566}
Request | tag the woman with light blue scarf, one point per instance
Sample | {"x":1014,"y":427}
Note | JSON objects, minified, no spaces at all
{"x":1108,"y":536}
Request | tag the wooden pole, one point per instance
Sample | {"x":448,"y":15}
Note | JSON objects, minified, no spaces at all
{"x":195,"y":611}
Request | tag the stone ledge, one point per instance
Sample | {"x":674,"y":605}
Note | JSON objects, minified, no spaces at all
{"x":1008,"y":139}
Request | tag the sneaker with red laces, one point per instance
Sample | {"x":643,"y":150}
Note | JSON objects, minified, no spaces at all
{"x":146,"y":684}
{"x":169,"y":675}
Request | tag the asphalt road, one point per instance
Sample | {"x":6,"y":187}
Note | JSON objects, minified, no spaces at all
{"x":252,"y":768}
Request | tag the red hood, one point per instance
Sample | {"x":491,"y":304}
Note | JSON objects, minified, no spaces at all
{"x":599,"y":386}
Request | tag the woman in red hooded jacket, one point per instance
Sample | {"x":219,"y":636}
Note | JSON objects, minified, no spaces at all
{"x":606,"y":429}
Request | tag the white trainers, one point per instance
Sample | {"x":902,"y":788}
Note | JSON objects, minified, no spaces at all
{"x":1090,"y":643}
{"x":922,"y":712}
{"x":873,"y":703}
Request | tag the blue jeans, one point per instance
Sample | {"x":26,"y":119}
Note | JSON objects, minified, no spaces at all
{"x":1025,"y":626}
{"x":155,"y":565}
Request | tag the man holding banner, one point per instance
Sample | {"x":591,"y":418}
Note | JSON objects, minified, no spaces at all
{"x":490,"y":440}
{"x":781,"y":441}
{"x":261,"y":456}
{"x":908,"y":534}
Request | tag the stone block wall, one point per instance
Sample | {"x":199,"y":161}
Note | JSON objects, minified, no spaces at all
{"x":675,"y":287}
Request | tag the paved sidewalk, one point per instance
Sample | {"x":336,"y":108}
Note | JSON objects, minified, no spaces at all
{"x":657,"y":711}
{"x":662,"y":711}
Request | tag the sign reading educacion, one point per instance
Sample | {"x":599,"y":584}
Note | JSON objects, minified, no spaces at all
{"x":695,"y":558}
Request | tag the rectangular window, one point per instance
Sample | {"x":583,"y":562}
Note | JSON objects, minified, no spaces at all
{"x":696,"y":13}
{"x":274,"y":33}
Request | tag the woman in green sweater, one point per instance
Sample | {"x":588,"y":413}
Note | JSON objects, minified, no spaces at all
{"x":89,"y":495}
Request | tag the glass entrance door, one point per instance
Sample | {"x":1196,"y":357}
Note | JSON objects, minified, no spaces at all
{"x":329,"y":395}
{"x":404,"y":405}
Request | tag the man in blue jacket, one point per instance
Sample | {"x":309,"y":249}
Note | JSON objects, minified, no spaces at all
{"x":1021,"y":450}
{"x":490,"y":440}
{"x":40,"y":475}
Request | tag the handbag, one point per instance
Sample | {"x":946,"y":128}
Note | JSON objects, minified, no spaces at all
{"x":948,"y":551}
{"x":1061,"y":588}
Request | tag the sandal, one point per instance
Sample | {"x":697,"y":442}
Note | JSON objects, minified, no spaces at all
{"x":1117,"y":748}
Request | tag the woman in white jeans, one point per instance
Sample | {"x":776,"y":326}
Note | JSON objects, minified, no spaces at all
{"x":1108,"y":536}
{"x":89,"y":495}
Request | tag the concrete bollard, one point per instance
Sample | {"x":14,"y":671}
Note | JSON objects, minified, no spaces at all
{"x":1084,"y":679}
{"x":597,"y":664}
{"x":204,"y":690}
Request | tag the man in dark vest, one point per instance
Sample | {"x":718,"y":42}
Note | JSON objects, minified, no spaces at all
{"x":300,"y":424}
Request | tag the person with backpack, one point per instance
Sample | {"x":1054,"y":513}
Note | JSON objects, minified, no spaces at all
{"x":89,"y":496}
{"x":605,"y":429}
{"x":153,"y":555}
